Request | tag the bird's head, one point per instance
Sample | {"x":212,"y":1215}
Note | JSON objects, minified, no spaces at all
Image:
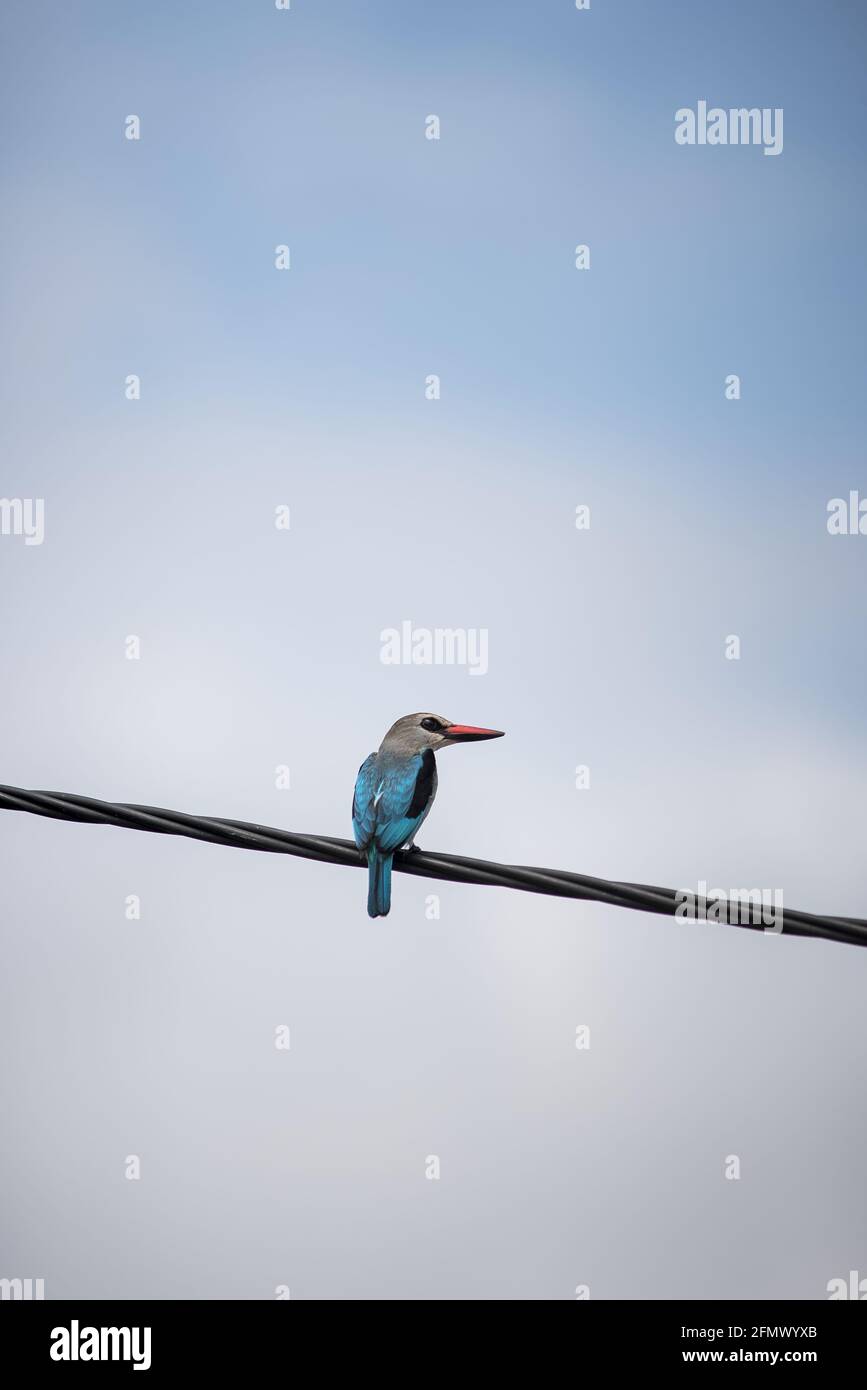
{"x":415,"y":732}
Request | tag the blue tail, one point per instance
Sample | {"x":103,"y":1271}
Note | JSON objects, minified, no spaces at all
{"x":378,"y":883}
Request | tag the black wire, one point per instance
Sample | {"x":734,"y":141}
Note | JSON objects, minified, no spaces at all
{"x":454,"y":868}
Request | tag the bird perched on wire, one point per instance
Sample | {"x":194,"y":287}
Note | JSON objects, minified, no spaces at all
{"x":394,"y":791}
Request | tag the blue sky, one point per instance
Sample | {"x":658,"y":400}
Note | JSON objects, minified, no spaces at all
{"x":558,"y":128}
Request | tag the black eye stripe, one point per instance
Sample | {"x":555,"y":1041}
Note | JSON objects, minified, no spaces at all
{"x":433,"y":726}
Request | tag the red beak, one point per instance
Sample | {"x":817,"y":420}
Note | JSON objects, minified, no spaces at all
{"x":466,"y":733}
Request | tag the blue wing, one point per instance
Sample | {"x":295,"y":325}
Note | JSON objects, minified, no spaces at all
{"x":392,"y":801}
{"x":401,"y":808}
{"x":363,"y":805}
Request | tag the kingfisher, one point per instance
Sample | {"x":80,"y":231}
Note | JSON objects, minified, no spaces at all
{"x":394,"y":791}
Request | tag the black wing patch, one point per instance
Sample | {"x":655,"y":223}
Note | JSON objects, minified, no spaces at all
{"x":423,"y":784}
